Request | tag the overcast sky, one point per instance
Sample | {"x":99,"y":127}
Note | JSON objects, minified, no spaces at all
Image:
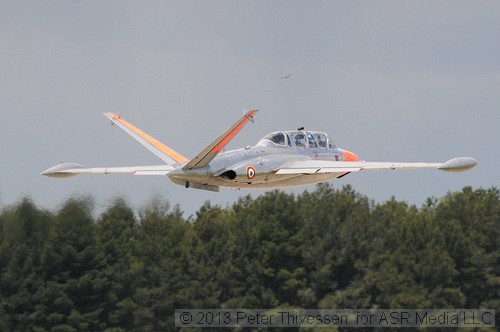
{"x":389,"y":80}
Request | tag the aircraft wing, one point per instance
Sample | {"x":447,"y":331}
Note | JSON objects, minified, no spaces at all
{"x":69,"y":169}
{"x":208,"y":154}
{"x":459,"y":164}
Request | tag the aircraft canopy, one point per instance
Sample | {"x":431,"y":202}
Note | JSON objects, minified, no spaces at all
{"x":298,"y":139}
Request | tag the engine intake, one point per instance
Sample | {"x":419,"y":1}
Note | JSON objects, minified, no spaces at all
{"x":230,"y":175}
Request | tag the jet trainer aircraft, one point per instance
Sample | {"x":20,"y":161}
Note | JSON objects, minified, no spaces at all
{"x":280,"y":159}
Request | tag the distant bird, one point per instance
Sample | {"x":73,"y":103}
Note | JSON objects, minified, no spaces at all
{"x":287,"y":76}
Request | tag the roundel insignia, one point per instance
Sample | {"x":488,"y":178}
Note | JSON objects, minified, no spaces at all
{"x":251,"y":172}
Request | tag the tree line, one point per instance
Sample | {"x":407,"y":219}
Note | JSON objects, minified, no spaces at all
{"x":123,"y":270}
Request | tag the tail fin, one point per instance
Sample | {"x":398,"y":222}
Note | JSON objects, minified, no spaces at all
{"x":162,"y":151}
{"x":203,"y":158}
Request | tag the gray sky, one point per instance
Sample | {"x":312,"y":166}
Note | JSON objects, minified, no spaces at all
{"x":389,"y":80}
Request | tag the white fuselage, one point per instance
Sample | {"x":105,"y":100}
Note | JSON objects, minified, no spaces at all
{"x":255,"y":167}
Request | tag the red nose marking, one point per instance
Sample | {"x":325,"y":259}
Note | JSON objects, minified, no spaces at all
{"x":350,"y":156}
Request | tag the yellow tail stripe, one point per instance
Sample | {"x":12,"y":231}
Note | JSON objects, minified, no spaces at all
{"x":153,"y":141}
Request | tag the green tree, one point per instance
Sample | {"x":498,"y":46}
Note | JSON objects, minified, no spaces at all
{"x":70,"y":269}
{"x":472,"y":220}
{"x":24,"y":232}
{"x":161,"y":236}
{"x":116,"y":236}
{"x":265,"y":251}
{"x":336,"y":239}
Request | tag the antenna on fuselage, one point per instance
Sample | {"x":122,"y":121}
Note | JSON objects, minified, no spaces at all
{"x":300,"y":128}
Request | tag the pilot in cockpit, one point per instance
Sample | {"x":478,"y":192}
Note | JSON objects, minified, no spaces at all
{"x":300,"y":140}
{"x":311,"y":141}
{"x":321,"y":139}
{"x":279,"y":139}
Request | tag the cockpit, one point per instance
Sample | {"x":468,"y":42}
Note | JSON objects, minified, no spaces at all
{"x":298,"y":139}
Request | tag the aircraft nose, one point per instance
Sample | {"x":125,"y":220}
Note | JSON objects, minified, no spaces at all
{"x":349,"y":156}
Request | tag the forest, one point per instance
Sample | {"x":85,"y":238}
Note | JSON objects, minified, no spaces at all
{"x":124,"y":270}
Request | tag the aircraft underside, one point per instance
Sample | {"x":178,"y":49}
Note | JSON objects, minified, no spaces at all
{"x":264,"y":181}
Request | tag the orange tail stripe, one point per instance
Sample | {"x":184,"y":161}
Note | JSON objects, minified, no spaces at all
{"x":233,"y":133}
{"x":153,"y":141}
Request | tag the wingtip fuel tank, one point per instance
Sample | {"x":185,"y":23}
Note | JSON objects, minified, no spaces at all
{"x":459,"y":164}
{"x":58,"y":170}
